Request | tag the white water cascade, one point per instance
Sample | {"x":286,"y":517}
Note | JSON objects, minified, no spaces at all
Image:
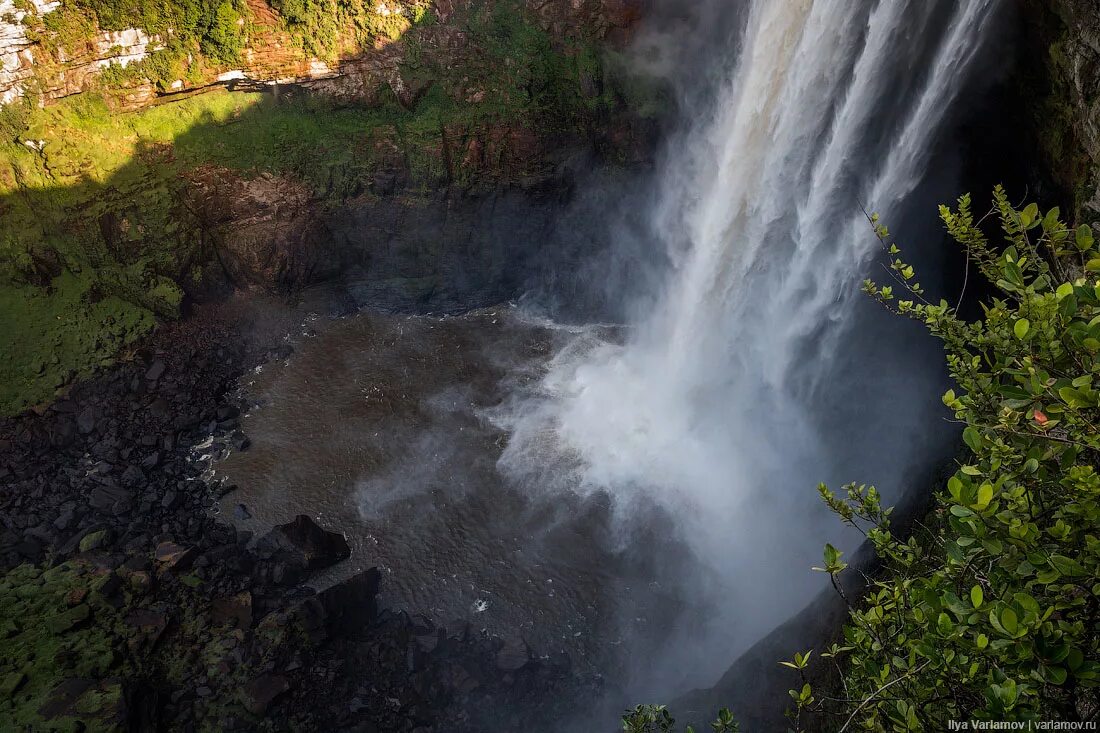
{"x":715,"y":406}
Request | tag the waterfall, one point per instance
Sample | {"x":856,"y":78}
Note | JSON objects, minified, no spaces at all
{"x":716,"y":405}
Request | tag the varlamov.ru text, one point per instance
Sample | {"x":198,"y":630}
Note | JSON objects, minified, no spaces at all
{"x":1028,"y":725}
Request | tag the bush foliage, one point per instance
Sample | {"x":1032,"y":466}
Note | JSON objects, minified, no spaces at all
{"x":989,"y":610}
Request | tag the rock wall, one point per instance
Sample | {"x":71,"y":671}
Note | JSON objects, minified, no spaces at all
{"x":1061,"y":84}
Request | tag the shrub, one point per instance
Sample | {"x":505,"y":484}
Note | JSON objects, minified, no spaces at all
{"x":989,"y":611}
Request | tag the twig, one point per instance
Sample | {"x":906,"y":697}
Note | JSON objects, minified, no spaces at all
{"x":879,"y":691}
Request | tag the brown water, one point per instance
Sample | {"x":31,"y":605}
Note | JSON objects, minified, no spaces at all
{"x":377,"y":426}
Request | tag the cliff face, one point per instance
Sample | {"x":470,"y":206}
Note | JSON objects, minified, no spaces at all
{"x":51,"y":49}
{"x":1062,"y":87}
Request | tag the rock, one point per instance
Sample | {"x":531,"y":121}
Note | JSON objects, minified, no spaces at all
{"x":111,"y":499}
{"x":149,"y":623}
{"x":240,"y":441}
{"x":11,"y":684}
{"x":236,"y":608}
{"x":258,"y":694}
{"x":175,"y":557}
{"x":267,"y":230}
{"x":304,"y":545}
{"x":85,"y":422}
{"x":156,"y":370}
{"x":70,"y":619}
{"x":95,"y":540}
{"x":133,"y":476}
{"x":513,"y":655}
{"x":101,"y":701}
{"x":241,"y":513}
{"x":352,"y":604}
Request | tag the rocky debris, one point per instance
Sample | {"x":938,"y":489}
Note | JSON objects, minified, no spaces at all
{"x":100,"y":700}
{"x":206,"y":632}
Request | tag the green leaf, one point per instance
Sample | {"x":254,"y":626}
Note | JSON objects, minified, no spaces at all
{"x":1021,"y":328}
{"x":1066,"y":565}
{"x":1055,"y":675}
{"x":1093,"y":265}
{"x":1084,"y":238}
{"x":985,"y":495}
{"x":1009,"y":621}
{"x":1028,"y":215}
{"x":976,"y":596}
{"x":1064,"y":291}
{"x":973,"y":439}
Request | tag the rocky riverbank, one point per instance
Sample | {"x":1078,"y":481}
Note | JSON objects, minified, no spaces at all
{"x":129,"y":606}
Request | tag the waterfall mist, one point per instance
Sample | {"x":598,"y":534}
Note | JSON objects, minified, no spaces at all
{"x":751,"y":368}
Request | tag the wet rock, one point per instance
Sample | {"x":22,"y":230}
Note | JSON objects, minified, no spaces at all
{"x":352,"y":604}
{"x":175,"y":557}
{"x":240,"y":441}
{"x":301,"y":544}
{"x":133,"y":476}
{"x":258,"y":694}
{"x":241,"y":513}
{"x":513,"y":656}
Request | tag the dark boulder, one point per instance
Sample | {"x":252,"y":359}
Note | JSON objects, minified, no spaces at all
{"x":258,"y":694}
{"x":302,"y":545}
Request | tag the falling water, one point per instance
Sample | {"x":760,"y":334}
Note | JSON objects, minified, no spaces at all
{"x":715,"y":405}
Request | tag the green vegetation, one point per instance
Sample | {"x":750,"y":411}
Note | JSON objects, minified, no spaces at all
{"x":54,"y":626}
{"x":657,"y":719}
{"x":990,"y":610}
{"x":196,"y":37}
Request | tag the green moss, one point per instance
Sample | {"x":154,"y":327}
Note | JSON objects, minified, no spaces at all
{"x":43,"y":649}
{"x":59,"y":333}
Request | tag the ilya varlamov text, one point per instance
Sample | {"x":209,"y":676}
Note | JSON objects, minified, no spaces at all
{"x":1028,"y":725}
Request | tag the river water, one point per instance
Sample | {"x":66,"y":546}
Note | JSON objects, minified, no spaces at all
{"x":383,"y":426}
